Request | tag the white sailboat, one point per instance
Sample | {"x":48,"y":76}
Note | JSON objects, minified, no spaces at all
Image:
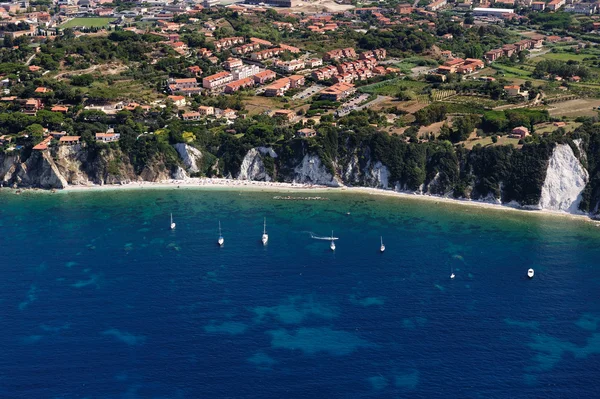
{"x":221,"y":240}
{"x":265,"y":236}
{"x":332,"y":245}
{"x":452,"y":273}
{"x":172,"y":224}
{"x":530,"y":273}
{"x":382,"y":247}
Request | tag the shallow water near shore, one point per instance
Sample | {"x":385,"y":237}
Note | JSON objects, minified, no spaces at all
{"x":100,"y":299}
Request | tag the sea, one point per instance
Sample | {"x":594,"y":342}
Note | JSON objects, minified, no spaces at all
{"x":101,"y":299}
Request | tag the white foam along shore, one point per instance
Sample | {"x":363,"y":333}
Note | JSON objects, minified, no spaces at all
{"x":228,"y":184}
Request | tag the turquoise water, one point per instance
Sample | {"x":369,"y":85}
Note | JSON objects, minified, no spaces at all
{"x":101,"y":300}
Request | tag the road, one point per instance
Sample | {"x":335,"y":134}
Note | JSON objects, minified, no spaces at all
{"x":29,"y":59}
{"x":538,"y":53}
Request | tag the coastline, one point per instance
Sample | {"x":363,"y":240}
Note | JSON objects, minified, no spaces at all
{"x":277,"y":187}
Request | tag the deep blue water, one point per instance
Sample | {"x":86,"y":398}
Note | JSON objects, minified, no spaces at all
{"x":100,"y":299}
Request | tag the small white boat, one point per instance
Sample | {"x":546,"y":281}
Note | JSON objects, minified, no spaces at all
{"x":221,"y":240}
{"x":332,"y":245}
{"x":265,"y":236}
{"x":172,"y":224}
{"x":530,"y":273}
{"x":452,"y":274}
{"x":382,"y":247}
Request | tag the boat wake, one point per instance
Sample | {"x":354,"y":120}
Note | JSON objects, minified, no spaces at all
{"x":315,"y":237}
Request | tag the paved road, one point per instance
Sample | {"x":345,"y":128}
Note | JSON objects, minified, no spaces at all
{"x":29,"y":59}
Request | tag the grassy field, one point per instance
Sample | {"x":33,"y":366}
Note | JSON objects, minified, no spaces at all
{"x":565,"y":56}
{"x":486,"y":141}
{"x":87,"y":22}
{"x":392,"y":87}
{"x":575,"y":108}
{"x":542,"y":128}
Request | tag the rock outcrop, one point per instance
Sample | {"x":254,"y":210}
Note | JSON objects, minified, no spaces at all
{"x":190,"y":156}
{"x":565,"y":180}
{"x":312,"y":171}
{"x":253,"y":164}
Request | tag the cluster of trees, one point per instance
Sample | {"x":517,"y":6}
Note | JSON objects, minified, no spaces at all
{"x":397,"y":40}
{"x":561,"y":68}
{"x":504,"y":121}
{"x":549,"y":21}
{"x":435,"y":112}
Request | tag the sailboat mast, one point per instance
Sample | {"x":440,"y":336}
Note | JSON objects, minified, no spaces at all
{"x":265,"y":226}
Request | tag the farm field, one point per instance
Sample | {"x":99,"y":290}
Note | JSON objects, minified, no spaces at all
{"x":486,"y":141}
{"x":575,"y":108}
{"x":87,"y":22}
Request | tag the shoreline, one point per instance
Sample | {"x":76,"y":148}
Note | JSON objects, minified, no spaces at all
{"x":275,"y":187}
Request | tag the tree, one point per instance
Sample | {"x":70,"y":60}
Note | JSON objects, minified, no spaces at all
{"x":35,"y":131}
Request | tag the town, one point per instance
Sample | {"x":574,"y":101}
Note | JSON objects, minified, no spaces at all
{"x":473,"y":73}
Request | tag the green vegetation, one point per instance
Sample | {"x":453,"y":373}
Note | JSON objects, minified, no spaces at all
{"x":91,"y":22}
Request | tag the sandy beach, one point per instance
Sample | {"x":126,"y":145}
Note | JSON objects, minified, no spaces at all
{"x":277,"y":187}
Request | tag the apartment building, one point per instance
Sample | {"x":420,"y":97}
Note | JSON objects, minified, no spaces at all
{"x":217,"y":80}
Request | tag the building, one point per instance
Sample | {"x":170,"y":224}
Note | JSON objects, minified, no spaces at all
{"x":513,"y":91}
{"x":493,"y":55}
{"x":538,"y":6}
{"x":583,"y":9}
{"x":205,"y":110}
{"x":236,"y":85}
{"x":313,"y":62}
{"x":324,"y":73}
{"x":264,"y":77}
{"x":285,"y":114}
{"x":519,"y":132}
{"x":290,"y":66}
{"x":306,"y":132}
{"x":436,"y":5}
{"x":217,"y":80}
{"x":43,"y":145}
{"x":278,"y":88}
{"x":233,"y":63}
{"x":556,"y":4}
{"x":191,"y":116}
{"x":32,"y":106}
{"x":69,"y":140}
{"x":337,"y":92}
{"x":179,"y":101}
{"x":59,"y":108}
{"x":275,"y":3}
{"x":188,"y":86}
{"x":227,"y":42}
{"x":336,"y":55}
{"x":492,"y":12}
{"x":245,"y":72}
{"x":509,"y":49}
{"x":296,"y":81}
{"x":108,"y":137}
{"x":404,"y":8}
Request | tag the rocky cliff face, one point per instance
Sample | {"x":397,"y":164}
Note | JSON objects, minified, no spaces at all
{"x":565,"y":181}
{"x":253,"y":164}
{"x":61,"y":166}
{"x":312,"y":171}
{"x":190,"y":156}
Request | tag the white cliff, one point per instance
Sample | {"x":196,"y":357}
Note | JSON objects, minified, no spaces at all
{"x":253,"y":167}
{"x":190,"y":156}
{"x":377,"y":175}
{"x":312,"y":171}
{"x":565,"y":180}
